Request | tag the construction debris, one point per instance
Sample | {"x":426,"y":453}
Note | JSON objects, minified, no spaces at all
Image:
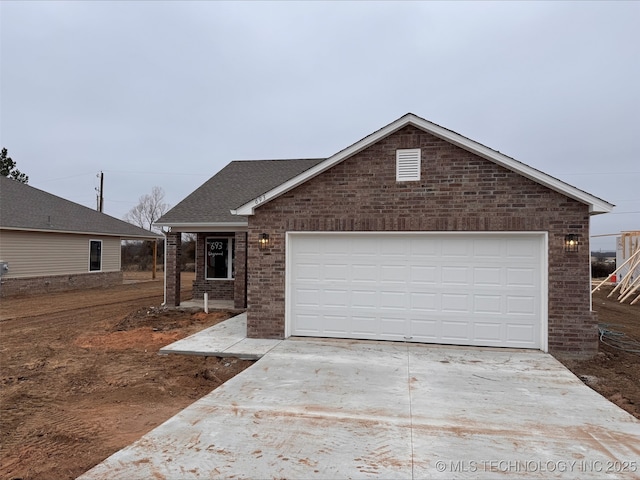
{"x":628,"y":255}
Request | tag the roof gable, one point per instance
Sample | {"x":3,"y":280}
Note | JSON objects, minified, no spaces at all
{"x":23,"y":207}
{"x":596,"y":205}
{"x":211,"y":204}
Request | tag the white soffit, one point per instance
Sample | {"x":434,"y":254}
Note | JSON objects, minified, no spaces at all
{"x":596,"y":205}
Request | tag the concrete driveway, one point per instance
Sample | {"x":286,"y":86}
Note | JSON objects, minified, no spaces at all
{"x":317,"y":408}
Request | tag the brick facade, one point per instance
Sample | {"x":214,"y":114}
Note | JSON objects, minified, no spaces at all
{"x":458,"y":191}
{"x":174,"y":251}
{"x":219,"y":289}
{"x":58,"y":283}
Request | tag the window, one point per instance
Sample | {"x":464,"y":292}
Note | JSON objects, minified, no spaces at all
{"x":219,"y":263}
{"x":95,"y":255}
{"x":408,"y":165}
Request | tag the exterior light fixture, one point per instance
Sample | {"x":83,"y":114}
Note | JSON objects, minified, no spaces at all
{"x":263,"y":241}
{"x":571,"y":243}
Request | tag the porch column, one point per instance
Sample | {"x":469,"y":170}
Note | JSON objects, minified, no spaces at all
{"x":174,"y":247}
{"x":240,"y":282}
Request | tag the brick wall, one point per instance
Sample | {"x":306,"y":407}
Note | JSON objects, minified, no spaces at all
{"x":58,"y":283}
{"x":174,"y":253}
{"x":240,"y":285}
{"x":221,"y":289}
{"x":458,"y":191}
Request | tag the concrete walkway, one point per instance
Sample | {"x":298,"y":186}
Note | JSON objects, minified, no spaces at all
{"x":323,"y":409}
{"x":226,"y":339}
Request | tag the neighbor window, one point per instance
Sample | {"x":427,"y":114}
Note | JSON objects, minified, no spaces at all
{"x":219,"y":258}
{"x":95,"y":255}
{"x":408,"y":164}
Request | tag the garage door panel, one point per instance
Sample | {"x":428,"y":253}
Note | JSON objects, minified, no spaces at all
{"x":456,"y":247}
{"x":364,"y":273}
{"x":424,"y":302}
{"x":522,"y":249}
{"x":336,"y":298}
{"x":520,"y":305}
{"x":393,"y":273}
{"x":307,"y":297}
{"x":455,"y":331}
{"x":524,"y":277}
{"x":488,"y":276}
{"x":487,"y":304}
{"x":393,"y":300}
{"x":368,"y":325}
{"x":455,"y":302}
{"x":488,"y":248}
{"x":521,"y":334}
{"x":364,"y":299}
{"x":335,"y":325}
{"x":458,"y":289}
{"x":309,"y":271}
{"x":336,"y":272}
{"x":425,"y":274}
{"x":454,"y":275}
{"x":490,"y":332}
{"x":393,"y":325}
{"x":424,"y":329}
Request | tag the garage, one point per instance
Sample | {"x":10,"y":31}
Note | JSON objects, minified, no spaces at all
{"x":460,"y":288}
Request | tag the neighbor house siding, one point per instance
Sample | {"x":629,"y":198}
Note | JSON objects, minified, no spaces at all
{"x":457,"y":191}
{"x":35,"y":254}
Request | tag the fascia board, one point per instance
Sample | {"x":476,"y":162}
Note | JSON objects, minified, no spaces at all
{"x":205,"y":227}
{"x":249,"y":207}
{"x":200,"y":224}
{"x":596,"y":205}
{"x":73,"y":232}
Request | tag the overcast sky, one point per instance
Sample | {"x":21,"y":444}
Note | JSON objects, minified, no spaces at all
{"x":167,"y":93}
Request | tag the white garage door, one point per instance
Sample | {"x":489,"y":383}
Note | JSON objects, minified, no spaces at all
{"x":462,"y":289}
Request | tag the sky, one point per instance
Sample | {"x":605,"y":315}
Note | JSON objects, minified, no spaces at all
{"x":167,"y":93}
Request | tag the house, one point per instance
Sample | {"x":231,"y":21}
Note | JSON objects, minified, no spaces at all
{"x":50,"y":244}
{"x":414,"y":233}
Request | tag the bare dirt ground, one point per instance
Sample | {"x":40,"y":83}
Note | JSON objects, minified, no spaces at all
{"x":614,"y":373}
{"x":81,"y":378}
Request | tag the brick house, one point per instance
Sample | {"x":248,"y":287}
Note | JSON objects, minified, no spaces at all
{"x":414,"y":233}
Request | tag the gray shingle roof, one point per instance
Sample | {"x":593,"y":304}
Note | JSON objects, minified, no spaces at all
{"x":23,"y":207}
{"x":234,"y":185}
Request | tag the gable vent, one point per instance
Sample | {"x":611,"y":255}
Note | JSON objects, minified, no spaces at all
{"x":408,"y":165}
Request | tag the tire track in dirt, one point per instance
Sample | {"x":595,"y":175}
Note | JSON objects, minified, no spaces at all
{"x":77,"y":383}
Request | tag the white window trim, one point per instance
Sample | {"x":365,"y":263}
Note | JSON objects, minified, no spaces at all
{"x":229,"y":255}
{"x":408,"y":164}
{"x":101,"y":262}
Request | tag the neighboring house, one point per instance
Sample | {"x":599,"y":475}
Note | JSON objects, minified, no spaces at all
{"x":414,"y":233}
{"x":51,"y":244}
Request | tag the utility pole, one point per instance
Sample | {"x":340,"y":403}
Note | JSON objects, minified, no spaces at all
{"x":100,"y":196}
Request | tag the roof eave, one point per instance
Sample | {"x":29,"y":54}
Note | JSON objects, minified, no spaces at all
{"x":596,"y":205}
{"x":195,"y":227}
{"x":151,"y":236}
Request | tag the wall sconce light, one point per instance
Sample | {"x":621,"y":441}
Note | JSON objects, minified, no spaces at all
{"x":571,"y":243}
{"x":263,"y":241}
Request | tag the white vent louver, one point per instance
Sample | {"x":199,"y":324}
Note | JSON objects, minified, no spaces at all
{"x":408,"y":165}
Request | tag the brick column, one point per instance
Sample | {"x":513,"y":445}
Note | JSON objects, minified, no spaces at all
{"x":174,"y":247}
{"x":240,"y":282}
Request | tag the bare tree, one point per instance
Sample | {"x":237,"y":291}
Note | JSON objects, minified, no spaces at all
{"x":149,"y":209}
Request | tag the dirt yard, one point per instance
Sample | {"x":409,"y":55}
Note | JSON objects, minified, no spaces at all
{"x":81,"y":378}
{"x":615,"y":373}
